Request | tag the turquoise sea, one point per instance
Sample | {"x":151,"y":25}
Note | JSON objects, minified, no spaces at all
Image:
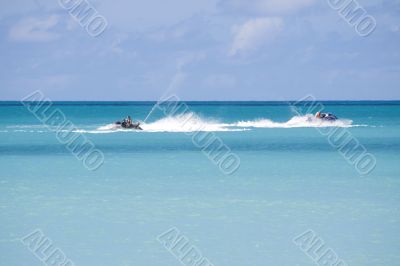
{"x":290,"y":180}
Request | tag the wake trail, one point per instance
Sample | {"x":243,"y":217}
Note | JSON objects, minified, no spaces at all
{"x":190,"y":122}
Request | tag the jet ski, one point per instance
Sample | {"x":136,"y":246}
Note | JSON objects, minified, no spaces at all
{"x":326,"y":116}
{"x":126,"y":125}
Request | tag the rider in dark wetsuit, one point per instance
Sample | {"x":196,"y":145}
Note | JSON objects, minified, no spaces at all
{"x":326,"y":116}
{"x":127,"y":122}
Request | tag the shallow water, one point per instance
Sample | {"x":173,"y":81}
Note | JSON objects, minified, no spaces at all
{"x":290,"y":179}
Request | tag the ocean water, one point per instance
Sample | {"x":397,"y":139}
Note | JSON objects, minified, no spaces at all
{"x":290,"y":180}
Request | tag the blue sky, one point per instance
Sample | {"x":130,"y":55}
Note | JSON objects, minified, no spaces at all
{"x":199,"y":50}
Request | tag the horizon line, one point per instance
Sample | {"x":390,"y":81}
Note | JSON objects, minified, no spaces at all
{"x":324,"y":100}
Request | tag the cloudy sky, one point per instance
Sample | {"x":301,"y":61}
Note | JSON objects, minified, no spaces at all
{"x":199,"y":50}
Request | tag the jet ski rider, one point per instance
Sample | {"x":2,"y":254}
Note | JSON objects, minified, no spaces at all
{"x":320,"y":115}
{"x":128,"y":121}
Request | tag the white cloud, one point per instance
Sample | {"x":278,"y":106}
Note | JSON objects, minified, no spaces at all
{"x":35,"y":30}
{"x":253,"y":33}
{"x":267,"y":6}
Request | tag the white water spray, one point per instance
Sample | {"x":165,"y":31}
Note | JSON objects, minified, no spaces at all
{"x":178,"y":79}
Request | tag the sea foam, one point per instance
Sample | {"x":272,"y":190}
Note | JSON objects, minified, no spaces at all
{"x":191,"y":122}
